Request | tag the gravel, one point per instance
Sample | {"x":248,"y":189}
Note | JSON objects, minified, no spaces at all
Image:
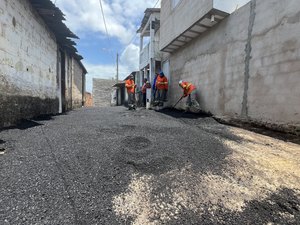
{"x":68,"y":169}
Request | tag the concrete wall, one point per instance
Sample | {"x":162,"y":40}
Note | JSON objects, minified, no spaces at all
{"x":77,"y":85}
{"x":175,"y":21}
{"x":28,"y":60}
{"x":248,"y":66}
{"x":102,"y":90}
{"x":68,"y":81}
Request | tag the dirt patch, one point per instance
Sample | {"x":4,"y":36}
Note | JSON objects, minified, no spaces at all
{"x":257,"y":171}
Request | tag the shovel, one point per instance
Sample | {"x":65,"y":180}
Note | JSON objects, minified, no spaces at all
{"x":178,"y":101}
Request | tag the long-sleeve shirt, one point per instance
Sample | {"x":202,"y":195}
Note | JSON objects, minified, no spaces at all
{"x":187,"y":88}
{"x":130,"y":86}
{"x":145,"y":86}
{"x":162,"y":83}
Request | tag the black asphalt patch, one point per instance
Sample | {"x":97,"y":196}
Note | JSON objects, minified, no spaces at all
{"x":183,"y":114}
{"x":69,"y":169}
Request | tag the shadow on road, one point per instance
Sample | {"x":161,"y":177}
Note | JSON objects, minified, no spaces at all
{"x":287,"y":137}
{"x":183,"y":114}
{"x":23,"y":125}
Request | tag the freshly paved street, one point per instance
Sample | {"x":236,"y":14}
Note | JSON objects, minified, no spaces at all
{"x":114,"y":166}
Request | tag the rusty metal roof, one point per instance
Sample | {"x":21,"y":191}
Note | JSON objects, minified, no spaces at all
{"x":53,"y":17}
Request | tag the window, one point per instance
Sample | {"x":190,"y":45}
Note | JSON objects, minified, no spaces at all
{"x":175,"y":3}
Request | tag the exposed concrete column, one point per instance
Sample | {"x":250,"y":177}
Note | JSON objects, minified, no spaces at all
{"x":152,"y":38}
{"x":59,"y":87}
{"x":72,"y":80}
{"x":141,"y":47}
{"x":141,"y":42}
{"x":151,"y":53}
{"x":83,"y":89}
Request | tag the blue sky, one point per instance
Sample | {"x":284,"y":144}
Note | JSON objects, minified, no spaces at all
{"x":123,"y":18}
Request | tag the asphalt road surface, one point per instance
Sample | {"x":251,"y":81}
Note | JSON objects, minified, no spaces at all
{"x":114,"y":166}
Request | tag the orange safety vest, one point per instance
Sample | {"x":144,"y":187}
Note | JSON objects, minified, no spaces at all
{"x":187,"y":88}
{"x":129,"y":84}
{"x":161,"y":83}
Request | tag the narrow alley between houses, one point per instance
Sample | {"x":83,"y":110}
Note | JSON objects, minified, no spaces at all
{"x":115,"y":166}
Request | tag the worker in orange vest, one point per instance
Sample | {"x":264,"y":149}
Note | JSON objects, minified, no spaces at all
{"x":189,"y":90}
{"x":162,"y":88}
{"x":130,"y":86}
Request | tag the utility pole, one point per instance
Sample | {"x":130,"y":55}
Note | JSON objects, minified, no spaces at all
{"x":117,"y":76}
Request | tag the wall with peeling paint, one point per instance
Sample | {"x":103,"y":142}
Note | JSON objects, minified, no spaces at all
{"x":28,"y":61}
{"x":77,"y":85}
{"x":248,"y":66}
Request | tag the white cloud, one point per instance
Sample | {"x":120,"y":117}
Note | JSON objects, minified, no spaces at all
{"x":229,"y":6}
{"x":108,"y":71}
{"x":129,"y":60}
{"x":121,"y":16}
{"x":130,"y":57}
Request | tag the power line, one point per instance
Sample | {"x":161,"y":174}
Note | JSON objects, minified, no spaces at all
{"x":103,"y":17}
{"x":155,"y":4}
{"x":134,"y":36}
{"x":104,"y":21}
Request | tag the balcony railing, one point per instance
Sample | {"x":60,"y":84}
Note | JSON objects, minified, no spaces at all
{"x":145,"y":56}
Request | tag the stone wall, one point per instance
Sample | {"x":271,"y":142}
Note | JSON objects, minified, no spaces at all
{"x":248,"y":66}
{"x":28,"y":61}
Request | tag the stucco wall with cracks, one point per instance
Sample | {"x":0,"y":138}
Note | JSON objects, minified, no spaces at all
{"x":274,"y":70}
{"x":28,"y":63}
{"x":248,"y":66}
{"x":77,"y":85}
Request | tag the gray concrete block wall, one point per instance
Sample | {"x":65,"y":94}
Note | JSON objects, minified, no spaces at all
{"x":247,"y":66}
{"x":214,"y":62}
{"x":102,"y":90}
{"x":274,"y":79}
{"x":28,"y":60}
{"x":175,"y":22}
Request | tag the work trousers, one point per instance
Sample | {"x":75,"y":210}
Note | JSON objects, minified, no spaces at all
{"x":162,"y":95}
{"x":144,"y":99}
{"x":191,"y":98}
{"x":131,"y":99}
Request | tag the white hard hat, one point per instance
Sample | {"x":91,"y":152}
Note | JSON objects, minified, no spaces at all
{"x":180,"y":82}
